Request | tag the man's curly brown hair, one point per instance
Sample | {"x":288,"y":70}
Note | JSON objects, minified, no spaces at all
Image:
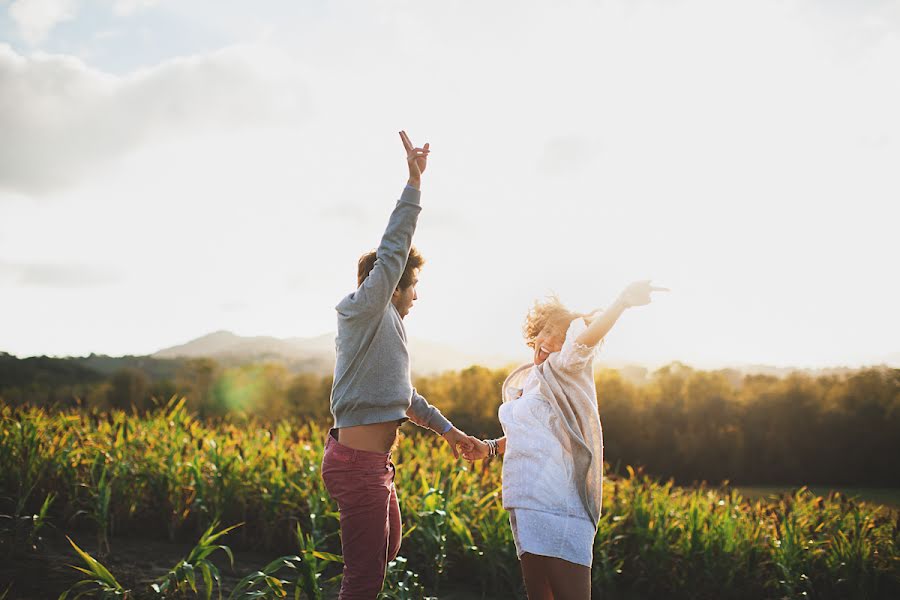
{"x":413,"y":263}
{"x":550,"y":311}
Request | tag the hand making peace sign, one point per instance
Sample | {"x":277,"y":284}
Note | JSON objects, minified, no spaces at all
{"x":416,"y":158}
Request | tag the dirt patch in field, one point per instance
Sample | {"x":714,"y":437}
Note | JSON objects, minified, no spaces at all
{"x":135,"y":563}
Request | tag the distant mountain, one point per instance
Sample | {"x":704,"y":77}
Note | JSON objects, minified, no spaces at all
{"x":317,"y":353}
{"x":225,"y":343}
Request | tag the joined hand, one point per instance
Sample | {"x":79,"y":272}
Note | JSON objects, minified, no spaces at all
{"x":479,"y":451}
{"x":458,"y":440}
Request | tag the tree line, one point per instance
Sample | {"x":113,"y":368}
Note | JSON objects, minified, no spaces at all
{"x":688,"y":424}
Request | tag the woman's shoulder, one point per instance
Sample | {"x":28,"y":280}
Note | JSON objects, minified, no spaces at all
{"x":516,"y":381}
{"x":575,"y":355}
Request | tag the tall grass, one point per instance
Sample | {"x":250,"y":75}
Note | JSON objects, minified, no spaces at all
{"x":171,"y":473}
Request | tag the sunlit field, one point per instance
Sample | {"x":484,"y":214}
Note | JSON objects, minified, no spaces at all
{"x":187,"y":189}
{"x":886,"y":496}
{"x":187,"y":489}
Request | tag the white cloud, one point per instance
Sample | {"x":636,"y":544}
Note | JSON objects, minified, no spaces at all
{"x":58,"y":275}
{"x":742,"y":153}
{"x":62,"y":119}
{"x":36,"y":18}
{"x":128,"y":7}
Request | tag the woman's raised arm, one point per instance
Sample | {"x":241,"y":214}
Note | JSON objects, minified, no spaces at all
{"x":635,"y":294}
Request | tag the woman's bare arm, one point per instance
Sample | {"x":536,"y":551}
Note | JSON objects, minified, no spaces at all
{"x":635,"y":294}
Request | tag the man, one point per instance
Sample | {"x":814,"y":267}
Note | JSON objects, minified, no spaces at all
{"x":372,"y":396}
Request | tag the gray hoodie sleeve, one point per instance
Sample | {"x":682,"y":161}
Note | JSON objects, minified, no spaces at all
{"x":375,"y":292}
{"x":425,"y":415}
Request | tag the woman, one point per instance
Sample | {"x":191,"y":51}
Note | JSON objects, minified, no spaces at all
{"x":553,"y":446}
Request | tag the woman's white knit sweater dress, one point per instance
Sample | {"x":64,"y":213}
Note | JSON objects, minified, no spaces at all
{"x":553,"y":464}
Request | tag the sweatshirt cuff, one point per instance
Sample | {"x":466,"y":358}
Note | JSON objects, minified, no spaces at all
{"x":447,"y":428}
{"x":411,"y":195}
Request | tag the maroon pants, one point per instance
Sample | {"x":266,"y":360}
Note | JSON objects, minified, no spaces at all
{"x":362,"y":484}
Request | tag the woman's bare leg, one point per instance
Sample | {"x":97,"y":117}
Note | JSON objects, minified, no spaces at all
{"x":569,"y":581}
{"x":537,"y":579}
{"x":549,"y":578}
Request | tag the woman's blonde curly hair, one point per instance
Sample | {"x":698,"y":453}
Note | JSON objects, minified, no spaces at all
{"x":550,"y":311}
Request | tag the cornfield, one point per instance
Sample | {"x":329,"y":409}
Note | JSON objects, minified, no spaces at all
{"x":168,"y":474}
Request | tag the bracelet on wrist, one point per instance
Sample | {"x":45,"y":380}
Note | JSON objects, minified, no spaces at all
{"x":493,"y":448}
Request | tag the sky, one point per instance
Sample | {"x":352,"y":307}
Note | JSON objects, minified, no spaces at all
{"x":172,"y":168}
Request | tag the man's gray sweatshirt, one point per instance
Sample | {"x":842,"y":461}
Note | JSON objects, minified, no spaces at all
{"x":371,"y":374}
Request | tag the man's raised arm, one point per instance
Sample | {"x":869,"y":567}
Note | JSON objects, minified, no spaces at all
{"x":374,"y":293}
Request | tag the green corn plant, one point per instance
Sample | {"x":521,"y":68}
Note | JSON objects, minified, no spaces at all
{"x":178,"y":494}
{"x":178,"y":428}
{"x":432,"y":525}
{"x":847,"y":550}
{"x":99,"y":580}
{"x":263,"y":585}
{"x":608,"y":560}
{"x":183,"y":576}
{"x":39,"y":520}
{"x":25,"y":460}
{"x":100,"y":495}
{"x":200,"y":498}
{"x":313,"y":564}
{"x":275,"y":499}
{"x":789,"y":554}
{"x":321,"y":512}
{"x":213,"y":479}
{"x":401,"y":583}
{"x":655,"y":539}
{"x":494,"y":550}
